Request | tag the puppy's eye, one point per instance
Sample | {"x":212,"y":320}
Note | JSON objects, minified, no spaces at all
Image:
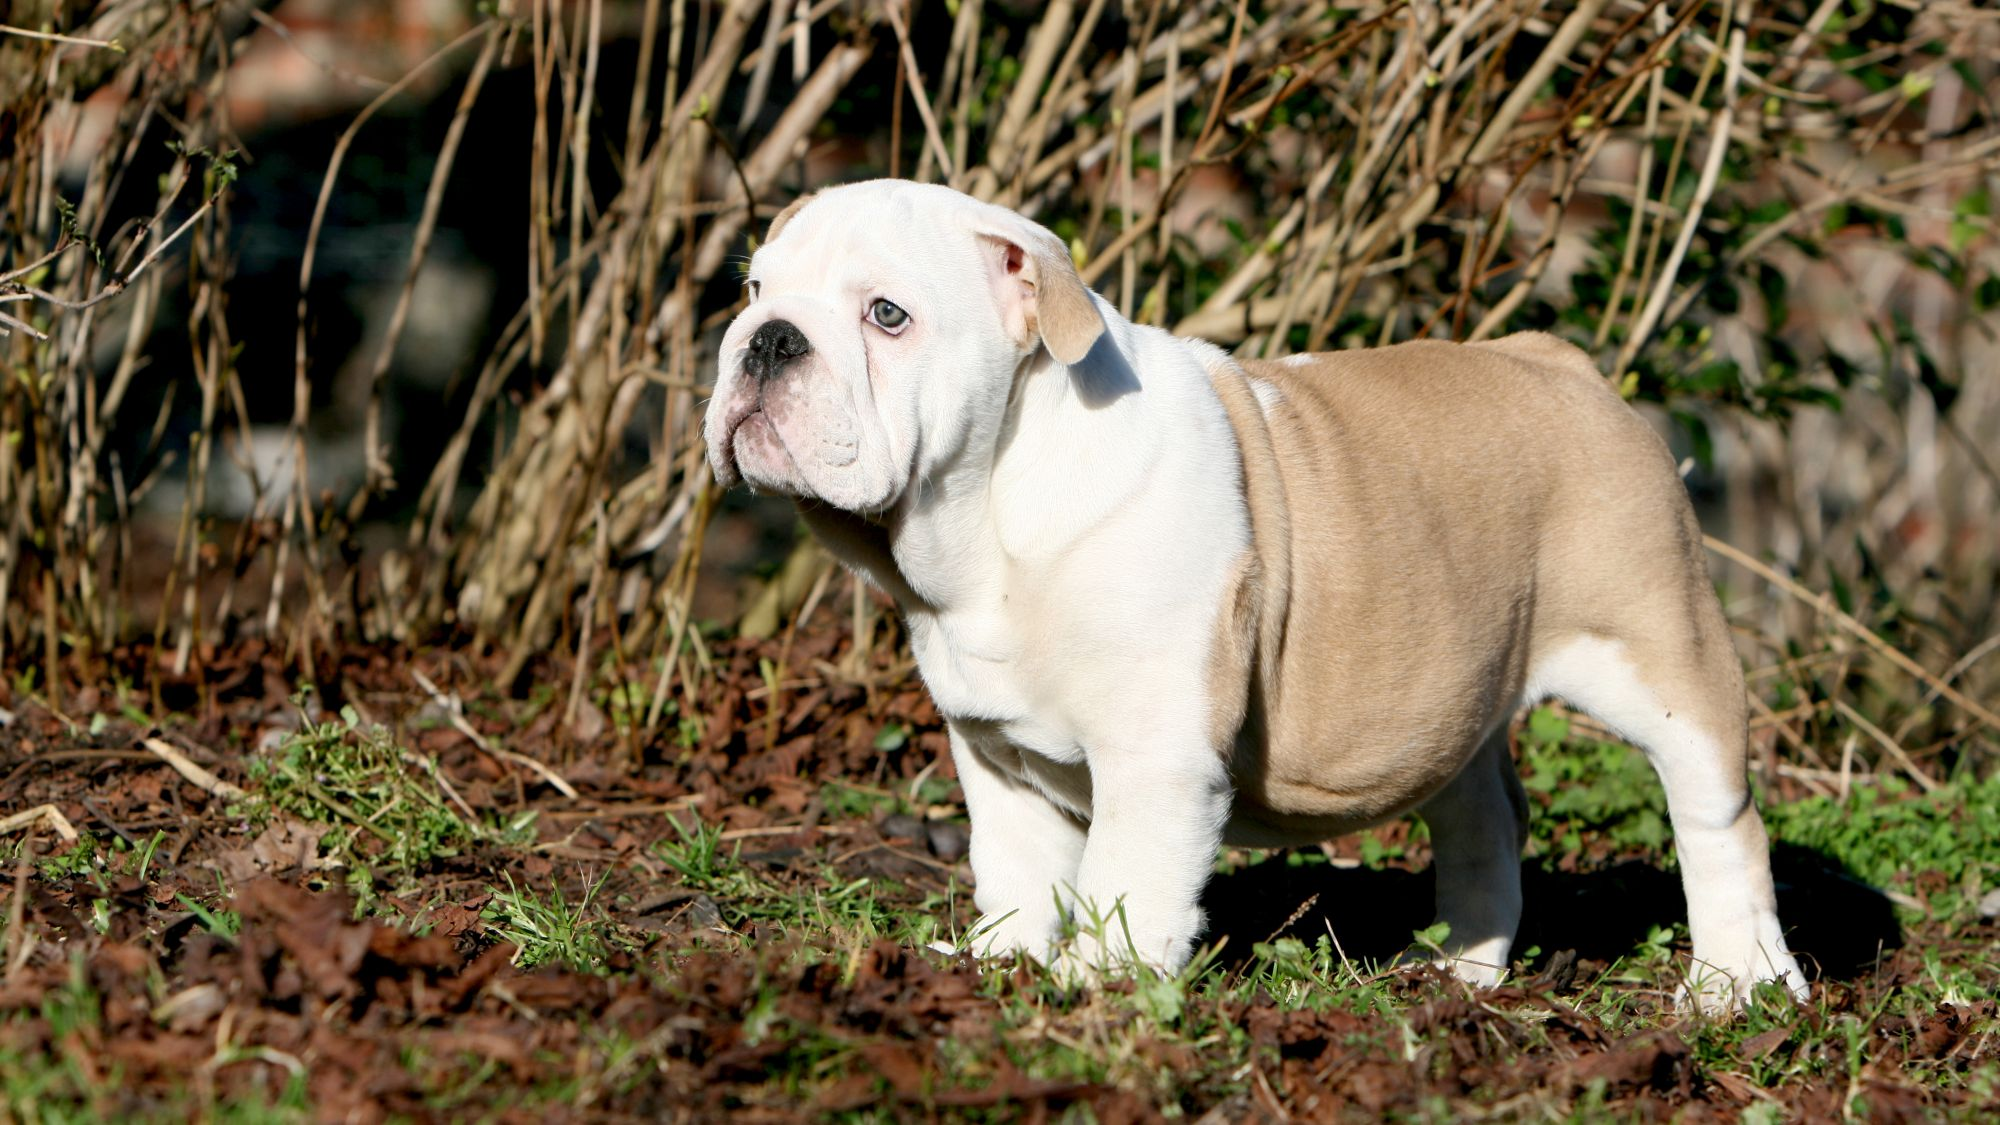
{"x":888,"y":315}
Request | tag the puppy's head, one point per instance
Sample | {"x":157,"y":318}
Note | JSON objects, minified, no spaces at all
{"x":886,"y":319}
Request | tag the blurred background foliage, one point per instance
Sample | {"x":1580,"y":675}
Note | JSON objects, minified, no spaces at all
{"x":393,"y":320}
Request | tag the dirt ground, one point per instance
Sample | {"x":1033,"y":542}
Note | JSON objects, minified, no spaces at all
{"x":202,"y":954}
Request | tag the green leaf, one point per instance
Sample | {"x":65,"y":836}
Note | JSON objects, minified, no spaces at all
{"x":1546,"y":726}
{"x":1433,"y":936}
{"x":1699,"y":438}
{"x":1160,"y":997}
{"x":1975,"y":204}
{"x":1987,"y":296}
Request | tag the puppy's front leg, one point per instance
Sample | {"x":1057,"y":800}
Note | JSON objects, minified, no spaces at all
{"x":1024,"y":851}
{"x":1155,"y":827}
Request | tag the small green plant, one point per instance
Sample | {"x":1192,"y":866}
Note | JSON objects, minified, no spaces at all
{"x":80,"y":859}
{"x":385,"y":804}
{"x":625,"y":702}
{"x":843,"y":801}
{"x":222,"y":923}
{"x":1887,"y":836}
{"x":1587,"y":785}
{"x":547,"y":929}
{"x":702,"y":861}
{"x":1432,"y":938}
{"x":1377,"y":852}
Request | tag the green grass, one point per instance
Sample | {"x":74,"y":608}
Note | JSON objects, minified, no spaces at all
{"x":1942,"y":847}
{"x":545,"y":928}
{"x":1889,"y":837}
{"x":702,"y":861}
{"x":1584,"y":786}
{"x":824,"y":908}
{"x":94,"y":859}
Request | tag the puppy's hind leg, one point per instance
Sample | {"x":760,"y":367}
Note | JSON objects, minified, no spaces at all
{"x":1478,"y":823}
{"x":1680,"y":700}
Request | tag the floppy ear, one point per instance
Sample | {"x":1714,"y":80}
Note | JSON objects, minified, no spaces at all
{"x":785,"y":216}
{"x":1039,"y":291}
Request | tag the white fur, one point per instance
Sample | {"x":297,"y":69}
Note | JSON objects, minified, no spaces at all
{"x":1268,"y":394}
{"x":1031,"y":651}
{"x":1737,"y":937}
{"x":1477,"y":829}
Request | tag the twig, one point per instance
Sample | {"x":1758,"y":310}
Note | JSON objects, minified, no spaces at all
{"x":1895,"y":750}
{"x":617,"y":812}
{"x":453,"y":710}
{"x":40,"y":814}
{"x":1529,"y":87}
{"x":61,"y":248}
{"x":923,"y":98}
{"x":325,"y":197}
{"x":600,"y":566}
{"x":196,"y":776}
{"x":120,"y":283}
{"x":1718,"y":148}
{"x":13,"y":953}
{"x":277,"y":28}
{"x":380,"y":475}
{"x":1003,"y":146}
{"x":444,"y":784}
{"x":52,"y":37}
{"x":783,"y":830}
{"x":22,"y":326}
{"x":1958,"y":668}
{"x":1823,"y":604}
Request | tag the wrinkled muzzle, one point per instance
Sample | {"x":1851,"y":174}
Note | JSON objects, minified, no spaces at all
{"x":791,"y":409}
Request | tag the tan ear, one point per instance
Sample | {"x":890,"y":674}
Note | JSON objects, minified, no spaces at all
{"x":785,"y":216}
{"x":1033,"y":267}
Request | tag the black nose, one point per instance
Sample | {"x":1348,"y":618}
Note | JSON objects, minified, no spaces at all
{"x":772,"y":345}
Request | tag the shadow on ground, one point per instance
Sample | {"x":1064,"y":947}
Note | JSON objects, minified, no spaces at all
{"x":1838,"y":926}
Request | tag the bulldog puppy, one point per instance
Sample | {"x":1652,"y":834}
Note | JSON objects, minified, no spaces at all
{"x":1167,"y":599}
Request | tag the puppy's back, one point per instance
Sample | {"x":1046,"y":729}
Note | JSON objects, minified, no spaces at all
{"x":1452,"y":511}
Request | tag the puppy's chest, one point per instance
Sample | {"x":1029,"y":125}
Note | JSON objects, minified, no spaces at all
{"x":982,"y":669}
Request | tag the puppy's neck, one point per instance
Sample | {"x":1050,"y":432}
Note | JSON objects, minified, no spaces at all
{"x":1072,"y":446}
{"x":947,"y":536}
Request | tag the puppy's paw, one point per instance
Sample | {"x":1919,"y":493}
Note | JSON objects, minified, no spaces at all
{"x":1114,"y":931}
{"x":1721,"y":986}
{"x":1476,"y":968}
{"x":1075,"y":968}
{"x":1089,"y":959}
{"x":1013,"y":933}
{"x":1479,"y":960}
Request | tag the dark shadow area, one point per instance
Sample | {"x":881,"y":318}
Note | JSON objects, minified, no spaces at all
{"x":1837,"y":925}
{"x":1105,"y":375}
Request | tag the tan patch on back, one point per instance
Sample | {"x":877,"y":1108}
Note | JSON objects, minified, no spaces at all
{"x":1448,"y":511}
{"x":1267,"y":577}
{"x":1232,"y":656}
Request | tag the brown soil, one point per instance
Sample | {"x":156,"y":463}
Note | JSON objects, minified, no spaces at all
{"x":418,"y":1013}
